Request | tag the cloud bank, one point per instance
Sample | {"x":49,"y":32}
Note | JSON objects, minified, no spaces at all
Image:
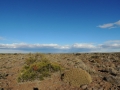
{"x":110,"y":25}
{"x":109,"y":46}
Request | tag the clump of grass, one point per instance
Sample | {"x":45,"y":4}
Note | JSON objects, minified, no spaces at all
{"x":37,"y":68}
{"x":77,"y":77}
{"x":30,"y":60}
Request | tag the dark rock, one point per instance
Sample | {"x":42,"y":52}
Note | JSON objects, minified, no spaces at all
{"x":6,"y":75}
{"x":35,"y":89}
{"x":103,"y":71}
{"x":77,"y":54}
{"x":112,"y":80}
{"x":1,"y":88}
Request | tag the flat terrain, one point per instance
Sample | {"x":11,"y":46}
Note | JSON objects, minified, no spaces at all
{"x":104,"y":69}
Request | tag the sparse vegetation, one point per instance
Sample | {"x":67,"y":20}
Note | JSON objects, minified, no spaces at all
{"x":36,"y":68}
{"x":42,"y":71}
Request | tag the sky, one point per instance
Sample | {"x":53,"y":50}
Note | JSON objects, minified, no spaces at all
{"x":59,"y":26}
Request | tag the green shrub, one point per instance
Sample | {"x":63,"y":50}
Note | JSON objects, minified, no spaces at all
{"x":30,"y":60}
{"x":36,"y":68}
{"x":55,"y":66}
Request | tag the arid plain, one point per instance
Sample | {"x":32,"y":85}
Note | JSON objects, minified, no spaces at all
{"x":103,"y":69}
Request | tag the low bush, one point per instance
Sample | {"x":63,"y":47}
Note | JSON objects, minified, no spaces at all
{"x":36,"y":68}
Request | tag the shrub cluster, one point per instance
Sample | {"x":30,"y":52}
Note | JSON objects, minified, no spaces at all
{"x":37,"y":68}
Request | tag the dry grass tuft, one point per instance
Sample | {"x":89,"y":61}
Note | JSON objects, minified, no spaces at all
{"x":77,"y":77}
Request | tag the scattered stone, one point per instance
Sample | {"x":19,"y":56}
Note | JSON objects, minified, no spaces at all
{"x":112,"y":71}
{"x":84,"y":87}
{"x":112,"y":80}
{"x":104,"y":69}
{"x":35,"y":89}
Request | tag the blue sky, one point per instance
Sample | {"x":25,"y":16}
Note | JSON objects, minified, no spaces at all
{"x":59,"y":26}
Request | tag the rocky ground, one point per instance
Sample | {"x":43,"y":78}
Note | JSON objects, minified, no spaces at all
{"x":104,"y":69}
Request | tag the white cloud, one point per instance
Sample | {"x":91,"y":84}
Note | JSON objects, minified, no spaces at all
{"x":110,"y":25}
{"x":25,"y":45}
{"x":65,"y":47}
{"x":112,"y":41}
{"x":117,"y":23}
{"x":83,"y":45}
{"x":109,"y":46}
